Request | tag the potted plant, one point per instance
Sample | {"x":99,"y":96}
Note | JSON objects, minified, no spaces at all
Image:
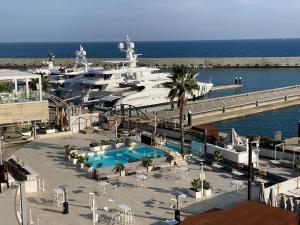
{"x":87,"y":166}
{"x":80,"y":162}
{"x":218,"y":156}
{"x":120,"y":168}
{"x":147,"y":162}
{"x":297,"y":165}
{"x":96,"y":172}
{"x":95,"y":146}
{"x":170,"y":159}
{"x":207,"y":188}
{"x":195,"y":190}
{"x":49,"y":128}
{"x":74,"y":157}
{"x":26,"y":129}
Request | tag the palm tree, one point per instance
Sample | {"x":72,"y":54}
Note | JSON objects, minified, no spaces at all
{"x":45,"y":84}
{"x":182,"y":83}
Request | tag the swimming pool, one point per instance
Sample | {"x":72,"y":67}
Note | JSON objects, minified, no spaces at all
{"x":124,"y":155}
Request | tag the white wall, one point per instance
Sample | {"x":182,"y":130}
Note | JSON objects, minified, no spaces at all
{"x":237,"y":157}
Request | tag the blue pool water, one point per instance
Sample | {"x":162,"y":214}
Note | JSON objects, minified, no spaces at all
{"x":123,"y":156}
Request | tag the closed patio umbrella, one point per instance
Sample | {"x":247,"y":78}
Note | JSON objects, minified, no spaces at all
{"x":262,"y":197}
{"x":272,"y":198}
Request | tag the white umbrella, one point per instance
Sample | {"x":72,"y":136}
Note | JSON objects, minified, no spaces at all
{"x":272,"y":198}
{"x":262,"y":197}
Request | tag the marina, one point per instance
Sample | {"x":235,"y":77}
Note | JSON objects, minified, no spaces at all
{"x":187,"y":120}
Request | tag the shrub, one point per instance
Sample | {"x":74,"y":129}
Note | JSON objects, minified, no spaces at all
{"x":196,"y":185}
{"x":94,"y":143}
{"x":73,"y":155}
{"x":146,"y":162}
{"x":118,"y":168}
{"x":170,"y":158}
{"x":80,"y":159}
{"x":87,"y":164}
{"x":218,"y":156}
{"x":104,"y":142}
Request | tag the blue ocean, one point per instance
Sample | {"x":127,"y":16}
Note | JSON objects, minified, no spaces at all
{"x":158,"y":49}
{"x":253,"y":79}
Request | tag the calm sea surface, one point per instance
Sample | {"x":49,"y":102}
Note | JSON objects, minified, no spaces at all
{"x":272,"y":47}
{"x":254,"y":79}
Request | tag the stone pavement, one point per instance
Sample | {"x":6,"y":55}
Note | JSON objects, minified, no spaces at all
{"x":8,"y":214}
{"x":151,"y":204}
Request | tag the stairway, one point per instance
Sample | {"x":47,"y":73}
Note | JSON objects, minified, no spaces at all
{"x":178,"y":160}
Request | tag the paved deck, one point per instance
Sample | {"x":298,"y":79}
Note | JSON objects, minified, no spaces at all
{"x":150,"y":204}
{"x":7,"y":208}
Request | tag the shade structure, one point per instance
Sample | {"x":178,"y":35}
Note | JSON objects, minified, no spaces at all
{"x":248,"y":213}
{"x":233,"y":138}
{"x":262,"y":197}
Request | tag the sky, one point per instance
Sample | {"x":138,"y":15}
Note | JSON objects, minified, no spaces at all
{"x":147,"y":20}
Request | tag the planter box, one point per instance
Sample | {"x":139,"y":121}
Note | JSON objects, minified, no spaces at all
{"x":49,"y":131}
{"x":74,"y":161}
{"x":123,"y":173}
{"x":95,"y":149}
{"x":28,"y":133}
{"x":194,"y":194}
{"x":80,"y":165}
{"x":149,"y":168}
{"x":207,"y":193}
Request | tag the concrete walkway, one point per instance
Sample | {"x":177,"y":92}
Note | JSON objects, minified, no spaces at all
{"x":7,"y":208}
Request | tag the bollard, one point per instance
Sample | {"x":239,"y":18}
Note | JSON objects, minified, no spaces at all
{"x":236,"y":80}
{"x":240,"y":80}
{"x":190,"y":118}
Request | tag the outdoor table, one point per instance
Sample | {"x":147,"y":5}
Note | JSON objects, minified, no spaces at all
{"x":275,"y":162}
{"x":141,"y":171}
{"x":127,"y":214}
{"x":294,"y":193}
{"x":103,"y":184}
{"x":237,"y":184}
{"x":140,"y":179}
{"x":237,"y":173}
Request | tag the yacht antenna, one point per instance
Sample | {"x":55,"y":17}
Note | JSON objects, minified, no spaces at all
{"x":81,"y":58}
{"x":130,"y":55}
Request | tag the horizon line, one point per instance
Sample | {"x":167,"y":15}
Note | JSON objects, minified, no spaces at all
{"x":233,"y":39}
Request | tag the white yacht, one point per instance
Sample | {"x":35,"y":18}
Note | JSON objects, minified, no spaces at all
{"x":147,"y":93}
{"x":119,"y":78}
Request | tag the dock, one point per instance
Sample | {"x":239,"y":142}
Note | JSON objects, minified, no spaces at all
{"x":235,"y":106}
{"x":226,"y":87}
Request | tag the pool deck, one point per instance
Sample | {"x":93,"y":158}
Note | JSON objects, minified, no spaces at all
{"x":150,"y":204}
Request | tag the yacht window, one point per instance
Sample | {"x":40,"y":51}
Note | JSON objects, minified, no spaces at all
{"x":110,"y":104}
{"x":140,"y":88}
{"x":107,"y":76}
{"x":158,"y":86}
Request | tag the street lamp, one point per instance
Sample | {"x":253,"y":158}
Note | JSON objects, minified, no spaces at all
{"x":116,"y":127}
{"x":65,"y":204}
{"x":294,"y":155}
{"x":202,"y":176}
{"x":278,"y":145}
{"x":94,"y":208}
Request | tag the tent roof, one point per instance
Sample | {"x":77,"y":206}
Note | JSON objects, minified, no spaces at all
{"x":249,"y":213}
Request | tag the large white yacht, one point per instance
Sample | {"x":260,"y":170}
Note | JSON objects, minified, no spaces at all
{"x":121,"y":75}
{"x":147,"y":93}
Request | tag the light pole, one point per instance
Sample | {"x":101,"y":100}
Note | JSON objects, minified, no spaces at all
{"x":249,"y":170}
{"x":94,"y":208}
{"x":294,"y":155}
{"x":1,"y":154}
{"x":23,"y":209}
{"x":278,"y":145}
{"x":116,"y":127}
{"x":155,"y":125}
{"x":65,"y":204}
{"x":202,"y":179}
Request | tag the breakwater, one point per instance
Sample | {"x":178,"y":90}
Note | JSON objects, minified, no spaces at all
{"x":222,"y":62}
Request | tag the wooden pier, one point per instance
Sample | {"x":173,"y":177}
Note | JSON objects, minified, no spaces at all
{"x":230,"y":107}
